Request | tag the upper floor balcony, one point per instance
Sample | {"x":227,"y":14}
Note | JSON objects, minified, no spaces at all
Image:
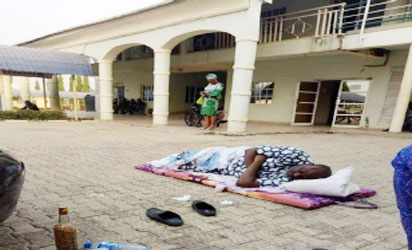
{"x":309,"y":19}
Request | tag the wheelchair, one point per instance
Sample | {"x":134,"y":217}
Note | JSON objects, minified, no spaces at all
{"x":194,"y":117}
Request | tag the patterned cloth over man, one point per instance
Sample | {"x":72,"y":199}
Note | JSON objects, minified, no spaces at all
{"x":231,"y":162}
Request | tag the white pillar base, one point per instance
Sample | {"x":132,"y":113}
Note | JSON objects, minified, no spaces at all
{"x":106,"y":90}
{"x":159,"y":119}
{"x":161,"y":87}
{"x":404,"y":97}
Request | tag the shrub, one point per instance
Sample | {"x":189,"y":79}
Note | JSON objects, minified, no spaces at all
{"x":32,"y":115}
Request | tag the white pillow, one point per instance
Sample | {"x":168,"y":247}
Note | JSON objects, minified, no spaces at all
{"x":339,"y":184}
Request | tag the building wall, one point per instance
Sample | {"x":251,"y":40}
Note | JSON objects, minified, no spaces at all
{"x":287,"y":73}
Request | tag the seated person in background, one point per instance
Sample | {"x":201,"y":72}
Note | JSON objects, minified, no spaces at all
{"x":253,"y":166}
{"x":141,"y":106}
{"x":30,"y":106}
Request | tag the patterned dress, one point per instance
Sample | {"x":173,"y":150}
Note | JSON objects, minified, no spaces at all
{"x":403,"y":188}
{"x":274,"y":171}
{"x":211,"y":102}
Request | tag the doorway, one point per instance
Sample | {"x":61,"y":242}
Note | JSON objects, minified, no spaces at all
{"x":331,"y":103}
{"x":351,"y":102}
{"x":328,"y":94}
{"x":306,"y":101}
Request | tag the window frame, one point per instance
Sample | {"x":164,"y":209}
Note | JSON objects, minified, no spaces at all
{"x":266,"y":99}
{"x":143,"y":89}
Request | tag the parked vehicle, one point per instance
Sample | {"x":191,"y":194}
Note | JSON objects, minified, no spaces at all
{"x":11,"y":183}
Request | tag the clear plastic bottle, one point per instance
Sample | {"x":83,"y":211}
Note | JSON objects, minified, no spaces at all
{"x":90,"y":246}
{"x":121,"y":246}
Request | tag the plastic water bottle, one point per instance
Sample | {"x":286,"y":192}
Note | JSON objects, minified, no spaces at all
{"x":121,"y":246}
{"x":90,"y":246}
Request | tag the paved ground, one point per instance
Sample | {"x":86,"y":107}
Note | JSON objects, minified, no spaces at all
{"x":69,"y":163}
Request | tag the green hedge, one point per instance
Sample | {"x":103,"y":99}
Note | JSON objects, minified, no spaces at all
{"x":32,"y":115}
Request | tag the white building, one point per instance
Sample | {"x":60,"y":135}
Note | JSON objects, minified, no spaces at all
{"x":301,"y":62}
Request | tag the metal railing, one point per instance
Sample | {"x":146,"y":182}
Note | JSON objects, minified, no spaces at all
{"x":334,"y":19}
{"x":321,"y":21}
{"x":224,"y":40}
{"x":372,"y":13}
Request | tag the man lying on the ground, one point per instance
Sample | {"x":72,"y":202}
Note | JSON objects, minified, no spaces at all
{"x":253,"y":166}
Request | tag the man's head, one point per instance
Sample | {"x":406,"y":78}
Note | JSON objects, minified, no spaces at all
{"x":310,"y":172}
{"x":212,"y":78}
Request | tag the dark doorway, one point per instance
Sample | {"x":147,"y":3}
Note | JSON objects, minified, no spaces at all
{"x":328,"y":95}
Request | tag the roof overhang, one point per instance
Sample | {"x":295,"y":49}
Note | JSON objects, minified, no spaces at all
{"x":29,"y":62}
{"x":106,"y":20}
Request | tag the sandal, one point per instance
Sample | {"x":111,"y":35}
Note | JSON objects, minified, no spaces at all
{"x":166,"y":217}
{"x":203,"y":208}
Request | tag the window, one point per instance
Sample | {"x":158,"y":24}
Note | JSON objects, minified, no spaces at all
{"x":192,"y":94}
{"x":273,"y":12}
{"x":262,"y":92}
{"x":147,"y":93}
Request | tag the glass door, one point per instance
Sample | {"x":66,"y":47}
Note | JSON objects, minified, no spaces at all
{"x":350,"y":105}
{"x":306,"y":102}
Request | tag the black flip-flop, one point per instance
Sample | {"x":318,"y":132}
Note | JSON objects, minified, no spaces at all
{"x":203,"y":208}
{"x":167,"y":217}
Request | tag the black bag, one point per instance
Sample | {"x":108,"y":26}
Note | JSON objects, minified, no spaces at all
{"x":11,"y":183}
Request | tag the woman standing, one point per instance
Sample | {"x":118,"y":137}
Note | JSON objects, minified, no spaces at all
{"x":212,"y":96}
{"x":403,"y":188}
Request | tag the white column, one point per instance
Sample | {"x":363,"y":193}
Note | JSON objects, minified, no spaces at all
{"x":244,"y":66}
{"x":404,"y":96}
{"x":7,"y":93}
{"x":53,"y":90}
{"x":25,"y":89}
{"x":161,"y":86}
{"x":1,"y":92}
{"x":106,"y":90}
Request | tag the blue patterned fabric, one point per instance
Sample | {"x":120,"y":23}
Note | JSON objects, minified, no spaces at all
{"x":403,"y":188}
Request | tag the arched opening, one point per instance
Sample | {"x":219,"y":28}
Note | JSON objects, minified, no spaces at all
{"x":133,"y":79}
{"x":133,"y":83}
{"x":199,"y":55}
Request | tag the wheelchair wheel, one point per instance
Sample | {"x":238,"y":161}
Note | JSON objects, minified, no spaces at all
{"x":219,"y":118}
{"x":197,"y":120}
{"x":189,"y":118}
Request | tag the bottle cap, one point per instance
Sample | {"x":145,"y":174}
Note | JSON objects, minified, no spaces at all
{"x":87,"y":245}
{"x":63,"y":210}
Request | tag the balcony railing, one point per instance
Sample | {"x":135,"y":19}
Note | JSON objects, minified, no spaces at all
{"x":334,"y":19}
{"x":372,"y":13}
{"x":322,"y":21}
